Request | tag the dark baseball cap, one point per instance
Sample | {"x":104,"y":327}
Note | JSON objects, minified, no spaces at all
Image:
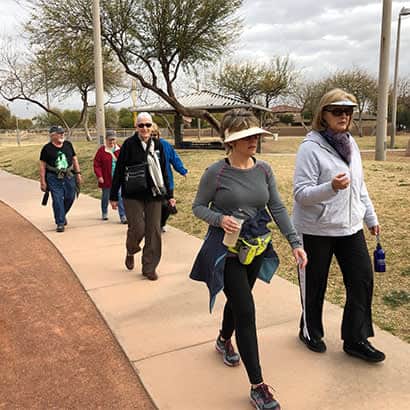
{"x":56,"y":129}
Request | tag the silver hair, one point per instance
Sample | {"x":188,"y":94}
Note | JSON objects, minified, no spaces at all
{"x":144,"y":115}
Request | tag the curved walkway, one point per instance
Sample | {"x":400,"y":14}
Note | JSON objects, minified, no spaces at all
{"x":55,"y":349}
{"x":167,"y":333}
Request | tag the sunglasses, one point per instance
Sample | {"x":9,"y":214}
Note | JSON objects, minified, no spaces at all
{"x":251,"y":137}
{"x":148,"y":125}
{"x":154,"y":135}
{"x":338,"y":112}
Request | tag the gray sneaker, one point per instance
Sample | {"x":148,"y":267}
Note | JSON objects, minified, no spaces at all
{"x":230,"y":357}
{"x":262,"y":398}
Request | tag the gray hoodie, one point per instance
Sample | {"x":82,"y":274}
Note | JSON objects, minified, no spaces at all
{"x":318,"y":209}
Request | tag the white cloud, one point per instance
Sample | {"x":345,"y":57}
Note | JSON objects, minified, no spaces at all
{"x":321,"y":38}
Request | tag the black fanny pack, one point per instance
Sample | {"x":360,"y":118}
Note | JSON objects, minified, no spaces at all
{"x":135,"y":179}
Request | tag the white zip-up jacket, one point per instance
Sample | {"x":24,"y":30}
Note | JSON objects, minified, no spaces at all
{"x":318,"y":209}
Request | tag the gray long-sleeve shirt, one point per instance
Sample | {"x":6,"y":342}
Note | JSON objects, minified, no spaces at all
{"x":226,"y":190}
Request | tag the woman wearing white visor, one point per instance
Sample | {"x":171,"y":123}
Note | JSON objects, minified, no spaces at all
{"x":240,"y":186}
{"x":330,"y":204}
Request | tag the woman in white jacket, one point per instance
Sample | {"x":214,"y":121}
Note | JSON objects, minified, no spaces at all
{"x":330,"y":204}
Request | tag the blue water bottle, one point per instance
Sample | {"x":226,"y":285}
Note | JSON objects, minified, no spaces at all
{"x":379,"y":257}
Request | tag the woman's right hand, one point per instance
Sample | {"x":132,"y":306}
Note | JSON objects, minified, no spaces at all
{"x":100,"y":180}
{"x":340,"y":181}
{"x":229,"y":224}
{"x":43,"y":186}
{"x":114,"y":204}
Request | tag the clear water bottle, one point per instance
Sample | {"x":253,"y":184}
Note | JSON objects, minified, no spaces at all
{"x":379,"y":257}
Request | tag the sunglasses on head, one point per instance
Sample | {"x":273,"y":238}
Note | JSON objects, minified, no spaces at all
{"x":148,"y":125}
{"x":338,"y":112}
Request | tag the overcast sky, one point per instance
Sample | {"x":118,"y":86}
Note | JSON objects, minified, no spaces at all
{"x":318,"y":36}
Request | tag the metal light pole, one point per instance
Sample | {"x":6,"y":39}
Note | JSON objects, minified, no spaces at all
{"x":403,"y":12}
{"x":98,"y":72}
{"x":382,"y":94}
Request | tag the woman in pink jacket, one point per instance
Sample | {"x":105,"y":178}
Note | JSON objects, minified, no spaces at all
{"x":104,"y":166}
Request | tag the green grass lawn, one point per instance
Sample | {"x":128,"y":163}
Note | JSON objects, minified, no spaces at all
{"x":388,"y":183}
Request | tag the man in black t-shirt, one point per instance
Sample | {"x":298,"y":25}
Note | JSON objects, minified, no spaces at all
{"x":59,"y":173}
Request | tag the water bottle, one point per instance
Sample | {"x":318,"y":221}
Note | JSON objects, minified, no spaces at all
{"x":379,"y":257}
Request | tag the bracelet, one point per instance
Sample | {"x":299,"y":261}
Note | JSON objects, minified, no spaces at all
{"x":77,"y":172}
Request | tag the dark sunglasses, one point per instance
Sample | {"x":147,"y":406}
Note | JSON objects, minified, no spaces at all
{"x":251,"y":137}
{"x":148,"y":125}
{"x":154,"y":135}
{"x":338,"y":112}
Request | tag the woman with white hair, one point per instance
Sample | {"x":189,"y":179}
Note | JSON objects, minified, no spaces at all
{"x":141,"y":174}
{"x":331,"y":204}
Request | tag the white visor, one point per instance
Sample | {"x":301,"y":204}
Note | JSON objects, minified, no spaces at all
{"x":244,"y":133}
{"x":344,"y":103}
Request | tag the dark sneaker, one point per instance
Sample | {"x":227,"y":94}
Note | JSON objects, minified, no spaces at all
{"x":129,"y":262}
{"x":262,"y":398}
{"x":364,"y":350}
{"x":104,"y":217}
{"x":316,"y":345}
{"x":123,"y":219}
{"x":151,"y":275}
{"x":231,"y":358}
{"x":60,"y":228}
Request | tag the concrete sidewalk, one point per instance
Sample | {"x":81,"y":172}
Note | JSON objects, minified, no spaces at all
{"x":167,"y":333}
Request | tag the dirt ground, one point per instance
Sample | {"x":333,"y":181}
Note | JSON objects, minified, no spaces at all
{"x":55,"y":349}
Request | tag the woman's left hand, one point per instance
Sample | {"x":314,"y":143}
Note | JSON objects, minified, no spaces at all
{"x":79,"y":179}
{"x":300,"y":257}
{"x":172,"y":201}
{"x":375,"y":230}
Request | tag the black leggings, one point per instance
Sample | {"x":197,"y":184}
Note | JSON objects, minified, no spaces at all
{"x":239,"y":312}
{"x":354,"y":261}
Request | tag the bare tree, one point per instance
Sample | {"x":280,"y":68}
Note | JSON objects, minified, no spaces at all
{"x":403,"y":101}
{"x":251,"y":81}
{"x":239,"y":79}
{"x":69,"y":63}
{"x":276,"y":79}
{"x":306,"y":95}
{"x":22,"y":78}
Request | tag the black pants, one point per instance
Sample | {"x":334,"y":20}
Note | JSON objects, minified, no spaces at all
{"x":353,"y":258}
{"x":239,"y":312}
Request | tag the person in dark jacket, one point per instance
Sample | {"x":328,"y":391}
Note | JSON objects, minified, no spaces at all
{"x":141,"y":175}
{"x":240,"y":187}
{"x":59,"y":174}
{"x":105,"y":161}
{"x":171,"y":158}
